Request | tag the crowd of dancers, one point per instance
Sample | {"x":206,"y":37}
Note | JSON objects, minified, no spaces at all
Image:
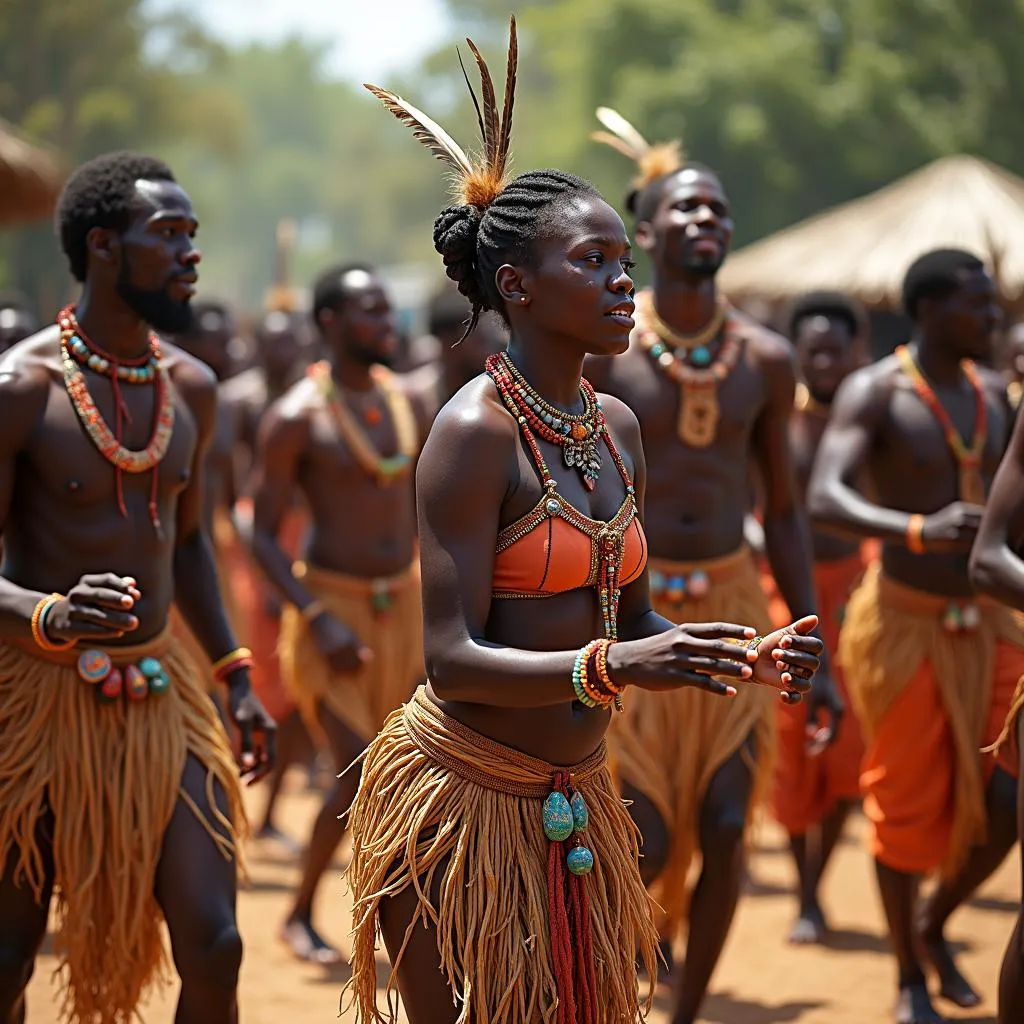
{"x":577,"y":586}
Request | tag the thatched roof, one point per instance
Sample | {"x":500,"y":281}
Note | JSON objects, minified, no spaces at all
{"x":30,"y":178}
{"x":864,"y":247}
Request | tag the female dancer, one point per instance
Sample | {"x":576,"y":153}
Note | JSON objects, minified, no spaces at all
{"x":490,"y":847}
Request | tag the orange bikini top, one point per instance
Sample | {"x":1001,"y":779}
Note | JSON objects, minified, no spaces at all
{"x":556,"y":548}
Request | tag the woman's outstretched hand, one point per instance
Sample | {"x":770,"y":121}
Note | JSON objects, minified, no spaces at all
{"x":788,"y":658}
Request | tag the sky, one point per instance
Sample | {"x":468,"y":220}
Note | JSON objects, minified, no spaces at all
{"x":370,"y":37}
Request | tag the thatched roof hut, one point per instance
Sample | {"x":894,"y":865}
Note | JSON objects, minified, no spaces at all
{"x":864,"y":247}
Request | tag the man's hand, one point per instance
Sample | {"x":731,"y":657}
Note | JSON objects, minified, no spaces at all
{"x":256,"y":729}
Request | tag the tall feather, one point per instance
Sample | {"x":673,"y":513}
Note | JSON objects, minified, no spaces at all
{"x":472,"y":94}
{"x":511,"y":69}
{"x":425,"y":130}
{"x":620,"y":127}
{"x":490,"y":109}
{"x":616,"y":143}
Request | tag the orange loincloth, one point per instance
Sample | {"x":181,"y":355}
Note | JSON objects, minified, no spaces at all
{"x":395,"y":636}
{"x":928,"y":700}
{"x":670,"y":745}
{"x":808,"y":788}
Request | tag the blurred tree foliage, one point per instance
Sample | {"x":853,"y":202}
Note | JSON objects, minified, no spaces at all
{"x":799,"y":104}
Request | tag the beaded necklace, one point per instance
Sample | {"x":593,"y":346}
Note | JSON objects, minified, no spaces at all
{"x":577,"y":434}
{"x":107,"y":441}
{"x":384,"y":469}
{"x":609,"y":537}
{"x":699,"y":411}
{"x":968,"y":459}
{"x":128,"y":371}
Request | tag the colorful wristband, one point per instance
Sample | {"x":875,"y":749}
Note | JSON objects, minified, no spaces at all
{"x":915,"y":534}
{"x":240,"y":657}
{"x":38,"y":624}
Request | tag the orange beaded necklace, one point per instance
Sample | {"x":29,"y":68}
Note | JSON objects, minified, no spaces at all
{"x":968,"y":459}
{"x":107,"y":441}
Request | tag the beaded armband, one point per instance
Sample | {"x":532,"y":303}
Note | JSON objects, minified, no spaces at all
{"x":240,"y":657}
{"x":38,"y":624}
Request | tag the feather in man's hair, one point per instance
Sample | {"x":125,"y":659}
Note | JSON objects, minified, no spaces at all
{"x":477,"y":182}
{"x":654,"y":161}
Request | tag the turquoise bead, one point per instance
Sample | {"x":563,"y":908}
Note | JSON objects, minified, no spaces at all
{"x":150,"y":667}
{"x":558,"y":822}
{"x":580,"y":860}
{"x":580,"y":814}
{"x":700,"y":356}
{"x":159,"y":684}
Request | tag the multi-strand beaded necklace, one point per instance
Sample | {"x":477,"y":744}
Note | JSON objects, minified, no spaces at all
{"x":531,"y":413}
{"x":971,"y":485}
{"x":687,"y":360}
{"x":77,"y":350}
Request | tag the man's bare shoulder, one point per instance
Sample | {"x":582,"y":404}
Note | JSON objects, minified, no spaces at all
{"x":298,"y":403}
{"x":992,"y":381}
{"x":32,"y":364}
{"x":186,"y":371}
{"x":28,"y":371}
{"x":870,"y":388}
{"x":768,"y":346}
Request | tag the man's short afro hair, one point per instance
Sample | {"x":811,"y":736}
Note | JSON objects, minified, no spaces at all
{"x":936,"y":275}
{"x":99,"y":195}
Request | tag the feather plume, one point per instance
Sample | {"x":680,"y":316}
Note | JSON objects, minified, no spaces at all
{"x":622,"y":129}
{"x":472,"y":95}
{"x":511,"y":69}
{"x":477,"y":183}
{"x":490,"y":106}
{"x":653,"y":161}
{"x":425,"y":130}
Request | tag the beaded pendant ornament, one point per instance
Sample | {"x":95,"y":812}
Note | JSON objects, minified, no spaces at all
{"x":385,"y":469}
{"x":577,"y":434}
{"x":968,"y":459}
{"x":107,"y":441}
{"x":699,"y":411}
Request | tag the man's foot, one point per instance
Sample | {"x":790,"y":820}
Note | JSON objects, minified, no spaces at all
{"x":269,"y":833}
{"x":809,"y":928}
{"x":306,"y":944}
{"x":952,"y":984}
{"x":914,"y":1006}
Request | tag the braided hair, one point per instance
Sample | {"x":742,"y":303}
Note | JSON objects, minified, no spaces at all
{"x":475,"y":242}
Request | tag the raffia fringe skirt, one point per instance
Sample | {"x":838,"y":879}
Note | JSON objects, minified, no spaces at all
{"x":669,"y":745}
{"x":393,"y":632}
{"x":457,"y":817}
{"x":110,"y":776}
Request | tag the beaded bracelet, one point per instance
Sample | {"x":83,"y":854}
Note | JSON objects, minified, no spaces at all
{"x":604,"y":678}
{"x":915,"y":534}
{"x":240,"y":657}
{"x":580,"y":681}
{"x":38,"y":624}
{"x":753,"y":645}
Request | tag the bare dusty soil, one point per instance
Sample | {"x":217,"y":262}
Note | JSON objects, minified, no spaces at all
{"x":761,"y":980}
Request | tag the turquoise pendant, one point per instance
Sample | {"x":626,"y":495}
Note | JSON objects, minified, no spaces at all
{"x":700,"y":356}
{"x":580,"y":860}
{"x":558,"y":820}
{"x":580,"y":814}
{"x":159,"y":684}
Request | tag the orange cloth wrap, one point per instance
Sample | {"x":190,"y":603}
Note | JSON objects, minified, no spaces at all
{"x":363,"y":700}
{"x":928,"y":700}
{"x":808,"y":788}
{"x":669,"y":745}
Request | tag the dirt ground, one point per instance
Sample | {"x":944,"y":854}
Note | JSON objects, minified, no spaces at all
{"x":761,"y":979}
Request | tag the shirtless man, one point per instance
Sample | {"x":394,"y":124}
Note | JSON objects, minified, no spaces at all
{"x":929,"y":668}
{"x":713,"y":392}
{"x":283,"y":350}
{"x":814,"y":790}
{"x":347,"y":436}
{"x":118,"y":787}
